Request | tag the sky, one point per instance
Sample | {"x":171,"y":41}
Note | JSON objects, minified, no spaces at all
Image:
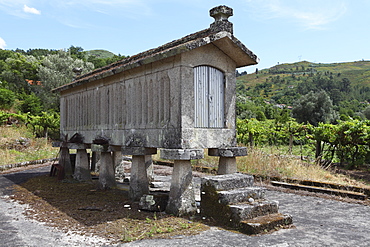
{"x":277,"y":31}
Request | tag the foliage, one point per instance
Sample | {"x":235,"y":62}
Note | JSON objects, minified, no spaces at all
{"x":44,"y":125}
{"x":36,"y":71}
{"x":30,"y":103}
{"x":345,"y":83}
{"x":314,"y":108}
{"x":7,"y":98}
{"x":347,"y":142}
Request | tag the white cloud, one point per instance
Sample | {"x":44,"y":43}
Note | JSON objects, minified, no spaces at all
{"x":2,"y":43}
{"x":30,"y":10}
{"x":313,"y":14}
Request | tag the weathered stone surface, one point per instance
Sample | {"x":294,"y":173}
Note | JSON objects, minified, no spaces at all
{"x":228,"y":152}
{"x":155,"y":202}
{"x":241,"y":195}
{"x":226,"y":182}
{"x":82,"y":169}
{"x":181,"y":198}
{"x":139,"y":183}
{"x":265,"y":223}
{"x":106,"y":171}
{"x":138,"y":151}
{"x":227,"y":165}
{"x":182,"y":154}
{"x":245,"y":211}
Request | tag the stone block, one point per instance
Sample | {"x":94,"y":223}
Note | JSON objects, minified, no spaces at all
{"x":138,"y":151}
{"x":155,"y":202}
{"x":226,"y":182}
{"x":182,"y":154}
{"x":265,"y":223}
{"x":246,"y":211}
{"x":241,"y":195}
{"x":228,"y":152}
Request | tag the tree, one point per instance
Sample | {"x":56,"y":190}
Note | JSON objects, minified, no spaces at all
{"x":314,"y":108}
{"x":366,"y":112}
{"x":55,"y":71}
{"x":7,"y":98}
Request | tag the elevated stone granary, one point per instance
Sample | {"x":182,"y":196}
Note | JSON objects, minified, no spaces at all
{"x":179,"y":98}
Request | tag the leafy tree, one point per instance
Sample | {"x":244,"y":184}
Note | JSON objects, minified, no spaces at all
{"x":18,"y":69}
{"x":366,"y":112}
{"x":56,"y":70}
{"x":30,"y":103}
{"x":7,"y":98}
{"x":314,"y":108}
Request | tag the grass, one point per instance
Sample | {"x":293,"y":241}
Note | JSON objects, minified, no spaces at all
{"x":17,"y":144}
{"x":281,"y":166}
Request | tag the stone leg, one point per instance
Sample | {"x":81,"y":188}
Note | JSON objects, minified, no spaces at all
{"x":106,"y":172}
{"x":82,"y":171}
{"x":117,"y":158}
{"x":65,"y":163}
{"x":181,"y":198}
{"x":139,"y":184}
{"x":95,"y":158}
{"x":149,"y":168}
{"x":227,"y":165}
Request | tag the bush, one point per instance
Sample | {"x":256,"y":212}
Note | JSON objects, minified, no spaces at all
{"x":30,"y":103}
{"x":7,"y":98}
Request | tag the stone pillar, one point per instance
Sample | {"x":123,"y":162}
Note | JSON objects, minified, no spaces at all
{"x":141,"y":160}
{"x":181,"y":199}
{"x":139,"y":183}
{"x":227,"y":161}
{"x":65,"y":163}
{"x":149,"y":168}
{"x":82,"y":170}
{"x":117,"y":158}
{"x":95,"y":158}
{"x":107,"y":177}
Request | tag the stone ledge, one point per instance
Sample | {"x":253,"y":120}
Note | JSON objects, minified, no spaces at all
{"x":138,"y":151}
{"x":228,"y":152}
{"x":182,"y":154}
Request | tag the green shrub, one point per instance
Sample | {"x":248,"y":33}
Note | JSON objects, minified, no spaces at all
{"x":7,"y":98}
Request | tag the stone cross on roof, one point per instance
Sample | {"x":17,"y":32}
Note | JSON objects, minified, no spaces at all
{"x":221,"y":15}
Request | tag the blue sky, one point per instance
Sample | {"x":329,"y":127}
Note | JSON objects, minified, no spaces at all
{"x":277,"y":31}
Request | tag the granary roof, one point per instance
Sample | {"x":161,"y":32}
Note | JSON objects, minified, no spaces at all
{"x":220,"y":33}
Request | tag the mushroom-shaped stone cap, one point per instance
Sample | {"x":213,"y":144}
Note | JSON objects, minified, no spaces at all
{"x":221,"y":13}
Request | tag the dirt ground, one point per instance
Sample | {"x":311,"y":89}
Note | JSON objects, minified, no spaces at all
{"x":110,"y":214}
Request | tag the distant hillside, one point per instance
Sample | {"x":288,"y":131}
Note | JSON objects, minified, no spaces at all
{"x":100,"y":53}
{"x":357,"y":72}
{"x":347,"y":84}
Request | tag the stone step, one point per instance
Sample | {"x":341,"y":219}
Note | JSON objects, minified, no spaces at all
{"x":248,"y":194}
{"x":245,"y":211}
{"x":265,"y":223}
{"x":226,"y":182}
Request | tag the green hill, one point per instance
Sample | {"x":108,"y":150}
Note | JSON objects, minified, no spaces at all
{"x":347,"y":84}
{"x":357,"y":72}
{"x":100,"y":53}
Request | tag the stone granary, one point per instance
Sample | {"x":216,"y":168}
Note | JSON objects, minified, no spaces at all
{"x":179,"y":98}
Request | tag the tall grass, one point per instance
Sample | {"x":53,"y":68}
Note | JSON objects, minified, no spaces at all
{"x":275,"y":165}
{"x":17,"y":144}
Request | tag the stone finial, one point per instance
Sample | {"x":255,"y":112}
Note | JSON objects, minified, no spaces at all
{"x":221,"y":15}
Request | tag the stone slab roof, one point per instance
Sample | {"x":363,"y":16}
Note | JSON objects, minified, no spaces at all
{"x":219,"y":34}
